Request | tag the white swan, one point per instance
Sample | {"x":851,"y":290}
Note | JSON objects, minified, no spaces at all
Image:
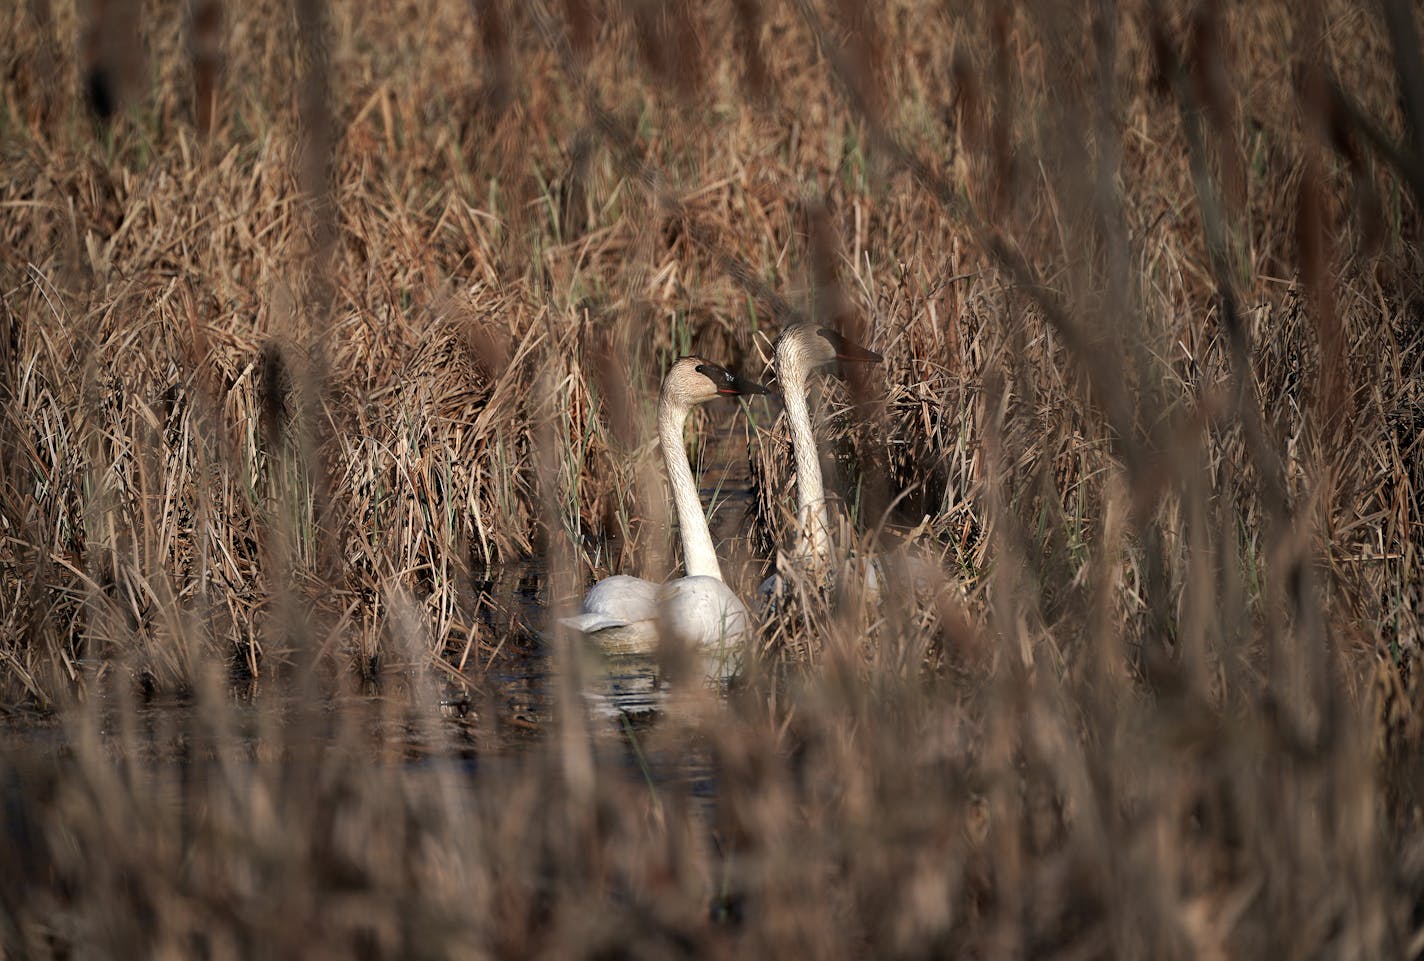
{"x":801,"y":350}
{"x":628,"y":615}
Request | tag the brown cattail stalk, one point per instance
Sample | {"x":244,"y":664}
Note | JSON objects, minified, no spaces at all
{"x":205,"y":44}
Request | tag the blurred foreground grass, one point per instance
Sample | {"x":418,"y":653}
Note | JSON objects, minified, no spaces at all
{"x":316,"y":320}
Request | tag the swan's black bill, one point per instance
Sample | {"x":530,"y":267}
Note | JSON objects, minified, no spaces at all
{"x":728,"y":383}
{"x":847,"y":350}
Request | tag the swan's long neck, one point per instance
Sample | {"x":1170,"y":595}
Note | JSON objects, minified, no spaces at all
{"x":697,"y":554}
{"x":813,"y":539}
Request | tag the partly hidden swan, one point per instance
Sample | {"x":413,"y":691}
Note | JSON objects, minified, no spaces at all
{"x":699,"y":612}
{"x":801,"y":350}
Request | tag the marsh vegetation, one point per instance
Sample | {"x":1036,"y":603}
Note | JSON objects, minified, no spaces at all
{"x":330,"y":344}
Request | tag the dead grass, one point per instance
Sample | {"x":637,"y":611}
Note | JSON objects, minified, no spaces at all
{"x":307,"y":335}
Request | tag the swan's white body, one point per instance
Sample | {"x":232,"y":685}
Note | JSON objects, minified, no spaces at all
{"x":629,"y":615}
{"x":700,"y":612}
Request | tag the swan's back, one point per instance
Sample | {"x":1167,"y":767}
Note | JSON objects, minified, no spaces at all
{"x":630,"y":615}
{"x":620,"y":612}
{"x":702,"y":612}
{"x":702,"y":615}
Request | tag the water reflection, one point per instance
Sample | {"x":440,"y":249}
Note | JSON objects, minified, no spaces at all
{"x":628,"y":688}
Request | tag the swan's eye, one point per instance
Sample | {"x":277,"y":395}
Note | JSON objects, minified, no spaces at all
{"x":702,"y":369}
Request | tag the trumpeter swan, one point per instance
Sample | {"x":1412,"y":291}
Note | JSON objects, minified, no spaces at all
{"x":629,"y":614}
{"x":801,"y":350}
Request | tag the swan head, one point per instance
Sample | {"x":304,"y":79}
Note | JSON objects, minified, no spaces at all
{"x":804,"y":347}
{"x":693,"y":380}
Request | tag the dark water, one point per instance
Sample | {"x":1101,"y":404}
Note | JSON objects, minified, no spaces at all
{"x":494,"y":733}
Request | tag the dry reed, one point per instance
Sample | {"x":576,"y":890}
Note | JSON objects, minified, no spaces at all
{"x":321,"y":324}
